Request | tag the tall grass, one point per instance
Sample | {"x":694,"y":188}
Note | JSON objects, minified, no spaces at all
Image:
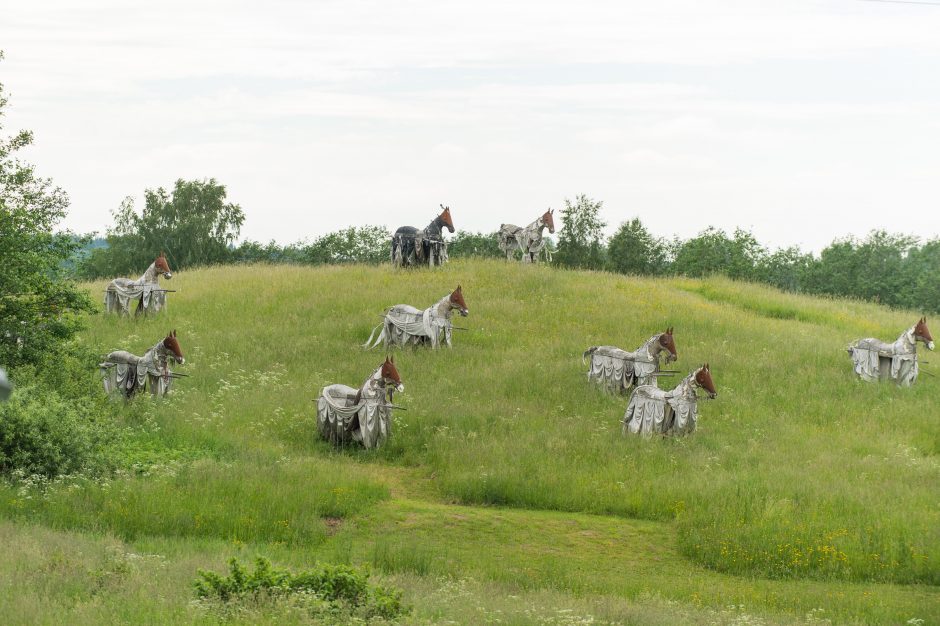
{"x":798,"y":471}
{"x":789,"y":474}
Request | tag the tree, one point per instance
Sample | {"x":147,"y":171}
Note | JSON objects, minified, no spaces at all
{"x":365,"y":244}
{"x":39,"y":306}
{"x":713,"y":252}
{"x":923,"y":267}
{"x":468,"y":244}
{"x":879,"y":268}
{"x":633,"y":250}
{"x":194,"y":224}
{"x":580,"y":243}
{"x":785,"y":269}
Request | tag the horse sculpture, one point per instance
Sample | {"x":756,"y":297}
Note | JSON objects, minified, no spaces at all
{"x":128,"y":374}
{"x":120,"y":291}
{"x":345,"y":414}
{"x":528,"y":239}
{"x":618,"y":370}
{"x":652,"y":410}
{"x":404,"y":325}
{"x":876,"y":360}
{"x":411,"y":246}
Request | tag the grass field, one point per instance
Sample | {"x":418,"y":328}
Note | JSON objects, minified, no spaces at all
{"x":506,"y":493}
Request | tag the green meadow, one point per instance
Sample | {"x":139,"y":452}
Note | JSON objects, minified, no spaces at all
{"x":506,"y":493}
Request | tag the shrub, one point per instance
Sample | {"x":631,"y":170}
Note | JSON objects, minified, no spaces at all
{"x":340,"y":587}
{"x":43,"y":433}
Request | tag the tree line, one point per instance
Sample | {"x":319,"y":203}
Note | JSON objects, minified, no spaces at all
{"x":196,"y":226}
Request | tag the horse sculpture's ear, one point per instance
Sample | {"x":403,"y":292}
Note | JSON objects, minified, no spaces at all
{"x":393,"y":358}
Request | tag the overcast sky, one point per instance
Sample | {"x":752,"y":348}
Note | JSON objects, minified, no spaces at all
{"x":800,"y":120}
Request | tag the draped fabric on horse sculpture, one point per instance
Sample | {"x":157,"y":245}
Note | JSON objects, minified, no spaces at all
{"x":411,"y":246}
{"x":876,"y":360}
{"x":126,"y":373}
{"x":121,"y":291}
{"x":342,"y":419}
{"x":345,"y":414}
{"x":528,"y":239}
{"x":654,"y":411}
{"x":617,"y":370}
{"x":405,"y":325}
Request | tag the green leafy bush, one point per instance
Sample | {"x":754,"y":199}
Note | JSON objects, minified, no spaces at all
{"x":46,"y":434}
{"x":334,"y":588}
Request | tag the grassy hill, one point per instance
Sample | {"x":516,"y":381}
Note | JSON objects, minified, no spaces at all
{"x":506,"y":492}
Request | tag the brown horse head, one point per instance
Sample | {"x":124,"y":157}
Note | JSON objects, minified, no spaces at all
{"x":162,"y":266}
{"x":171,"y":344}
{"x":390,"y":374}
{"x":666,"y":341}
{"x":923,"y":333}
{"x":703,"y":378}
{"x":446,"y":219}
{"x":457,"y":302}
{"x":548,"y":220}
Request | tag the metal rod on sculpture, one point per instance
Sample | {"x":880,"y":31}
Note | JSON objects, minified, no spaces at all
{"x":630,"y":359}
{"x":393,"y":406}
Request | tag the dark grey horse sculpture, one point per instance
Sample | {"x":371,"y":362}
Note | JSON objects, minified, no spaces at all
{"x":411,"y":246}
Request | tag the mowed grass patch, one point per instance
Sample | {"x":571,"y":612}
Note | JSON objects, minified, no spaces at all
{"x":592,"y":556}
{"x":794,"y":452}
{"x":56,"y":577}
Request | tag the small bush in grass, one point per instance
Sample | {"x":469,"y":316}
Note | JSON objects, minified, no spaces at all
{"x":331,"y":588}
{"x":45,"y":434}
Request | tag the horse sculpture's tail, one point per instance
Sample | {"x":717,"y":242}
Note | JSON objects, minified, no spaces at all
{"x":587,"y":352}
{"x":378,"y":340}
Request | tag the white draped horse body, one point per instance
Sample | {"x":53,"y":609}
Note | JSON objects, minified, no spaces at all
{"x":405,"y":325}
{"x":617,"y":370}
{"x":127,"y":374}
{"x":875,"y":360}
{"x":146,"y":289}
{"x":655,"y":411}
{"x":528,"y":239}
{"x":364,"y":416}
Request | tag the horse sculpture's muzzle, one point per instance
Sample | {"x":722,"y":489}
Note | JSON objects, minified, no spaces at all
{"x":930,"y":345}
{"x":168,"y":275}
{"x":400,"y":388}
{"x":180,"y":360}
{"x":466,"y":312}
{"x":712,"y":394}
